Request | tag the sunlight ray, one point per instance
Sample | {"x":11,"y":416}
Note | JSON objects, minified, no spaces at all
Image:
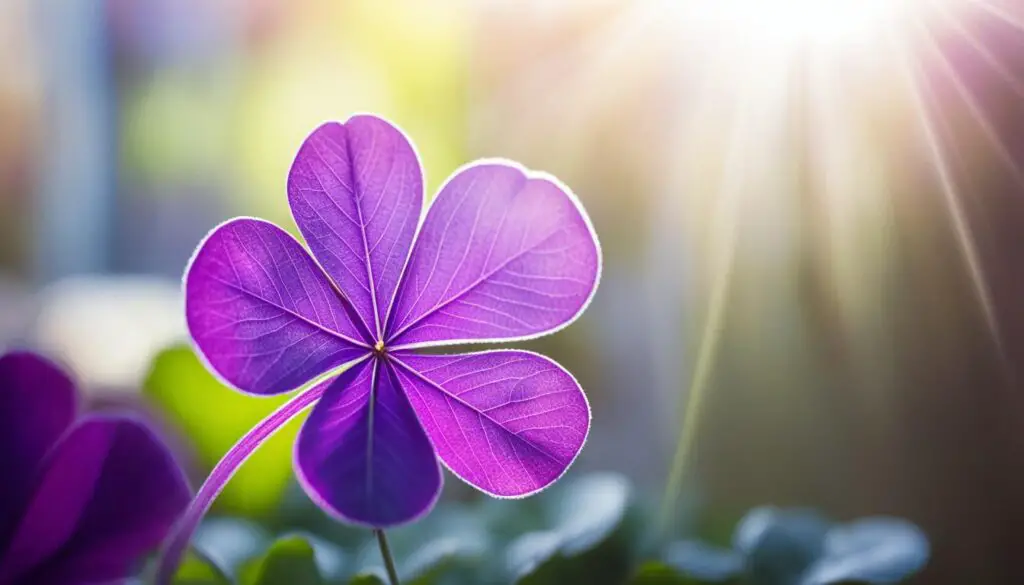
{"x":956,"y":25}
{"x":598,"y":54}
{"x":951,"y":197}
{"x":724,"y":238}
{"x":999,"y":12}
{"x":586,"y":61}
{"x":666,"y":285}
{"x":974,"y":108}
{"x":820,"y":222}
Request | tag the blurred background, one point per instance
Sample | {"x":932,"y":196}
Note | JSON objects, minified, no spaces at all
{"x":811,"y":215}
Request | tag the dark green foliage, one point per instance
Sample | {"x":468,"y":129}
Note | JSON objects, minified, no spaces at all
{"x":798,"y":547}
{"x":289,"y":561}
{"x":659,"y":573}
{"x":588,"y":529}
{"x":593,"y":530}
{"x":198,"y":570}
{"x":588,"y":537}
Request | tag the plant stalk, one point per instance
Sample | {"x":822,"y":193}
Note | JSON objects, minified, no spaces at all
{"x":385,"y":553}
{"x":177,"y":543}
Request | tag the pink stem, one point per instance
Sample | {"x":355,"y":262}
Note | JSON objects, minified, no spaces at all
{"x":177,"y":544}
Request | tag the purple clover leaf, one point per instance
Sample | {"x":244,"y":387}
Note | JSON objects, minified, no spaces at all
{"x":502,"y":254}
{"x":84,"y":500}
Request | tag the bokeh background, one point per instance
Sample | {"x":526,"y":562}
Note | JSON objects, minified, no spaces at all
{"x":814,"y":283}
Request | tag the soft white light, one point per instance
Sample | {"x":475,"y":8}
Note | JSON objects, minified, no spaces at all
{"x":789,"y":23}
{"x":108,"y":328}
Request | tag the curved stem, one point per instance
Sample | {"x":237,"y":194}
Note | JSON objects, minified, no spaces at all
{"x":177,"y":543}
{"x":385,"y":553}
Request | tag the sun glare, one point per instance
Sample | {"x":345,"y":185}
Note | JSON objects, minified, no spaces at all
{"x":795,"y":23}
{"x":794,"y":101}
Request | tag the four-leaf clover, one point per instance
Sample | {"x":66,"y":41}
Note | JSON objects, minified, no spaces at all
{"x":501,"y":254}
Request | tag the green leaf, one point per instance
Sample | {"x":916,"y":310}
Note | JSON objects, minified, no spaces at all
{"x":655,"y":573}
{"x":213,"y":417}
{"x":591,"y":510}
{"x":449,"y":545}
{"x":871,"y":550}
{"x":780,"y":545}
{"x":535,"y":554}
{"x":441,"y":557}
{"x":507,"y":519}
{"x":198,"y":570}
{"x":589,"y":540}
{"x":229,"y":542}
{"x":297,"y":512}
{"x":704,"y":562}
{"x":290,"y":560}
{"x":367,"y":578}
{"x":658,"y":573}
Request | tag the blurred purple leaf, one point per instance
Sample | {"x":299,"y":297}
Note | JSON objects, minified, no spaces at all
{"x":101,"y":494}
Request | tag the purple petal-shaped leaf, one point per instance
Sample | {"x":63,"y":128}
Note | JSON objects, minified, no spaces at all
{"x":501,"y":255}
{"x":363,"y":455}
{"x":262,"y":313}
{"x":508,"y":422}
{"x":37,"y":404}
{"x":109,"y":494}
{"x":356,"y":192}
